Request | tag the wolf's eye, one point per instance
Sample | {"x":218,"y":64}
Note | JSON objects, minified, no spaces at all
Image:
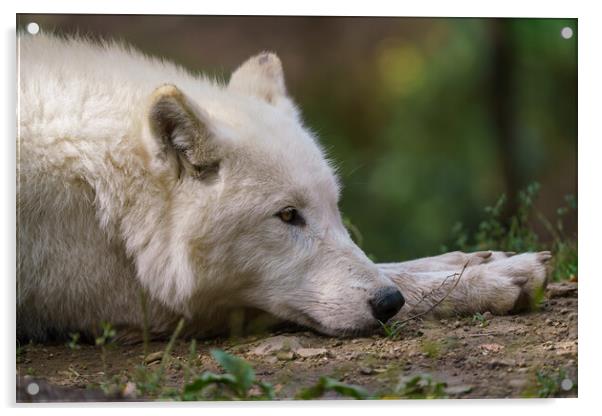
{"x":291,"y":216}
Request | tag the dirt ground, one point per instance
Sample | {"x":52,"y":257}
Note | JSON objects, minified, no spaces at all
{"x":483,"y":357}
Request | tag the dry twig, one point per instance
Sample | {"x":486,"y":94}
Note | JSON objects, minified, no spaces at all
{"x":418,"y":315}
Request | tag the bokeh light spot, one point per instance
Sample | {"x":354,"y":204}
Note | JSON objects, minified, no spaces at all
{"x":33,"y":389}
{"x":566,"y":384}
{"x":33,"y":28}
{"x":566,"y":32}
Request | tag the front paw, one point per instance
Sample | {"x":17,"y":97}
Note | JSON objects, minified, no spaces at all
{"x":520,"y":280}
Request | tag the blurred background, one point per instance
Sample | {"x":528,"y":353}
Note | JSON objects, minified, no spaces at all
{"x":429,"y":119}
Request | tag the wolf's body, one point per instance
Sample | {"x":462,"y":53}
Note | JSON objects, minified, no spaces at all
{"x":138,"y":180}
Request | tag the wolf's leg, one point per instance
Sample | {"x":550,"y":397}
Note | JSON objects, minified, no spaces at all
{"x":502,"y":286}
{"x":447,"y":261}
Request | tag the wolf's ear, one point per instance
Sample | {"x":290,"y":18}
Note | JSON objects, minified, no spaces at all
{"x":262,"y":76}
{"x":181,"y":129}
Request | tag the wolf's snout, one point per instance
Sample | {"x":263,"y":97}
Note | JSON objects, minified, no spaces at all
{"x":386,"y":303}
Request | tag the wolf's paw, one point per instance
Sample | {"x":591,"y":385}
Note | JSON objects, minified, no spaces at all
{"x":478,"y":257}
{"x":514,"y":283}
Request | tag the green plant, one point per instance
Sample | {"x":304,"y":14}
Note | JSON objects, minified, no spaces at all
{"x":108,"y":333}
{"x":152,"y":382}
{"x":564,"y":248}
{"x":235,"y":384}
{"x":516,"y":233}
{"x":105,"y":341}
{"x":73,"y":342}
{"x":480,"y":319}
{"x":326,"y":384}
{"x":550,"y":384}
{"x":421,"y":386}
{"x":392,"y":330}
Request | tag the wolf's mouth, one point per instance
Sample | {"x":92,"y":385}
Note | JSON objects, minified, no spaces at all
{"x":344,"y":332}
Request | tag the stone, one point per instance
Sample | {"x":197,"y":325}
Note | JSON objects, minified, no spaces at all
{"x":491,"y":348}
{"x":366,"y":371}
{"x":275,"y":344}
{"x":153,"y":357}
{"x":458,"y":389}
{"x":311,"y":352}
{"x":285,"y":355}
{"x":518,"y":383}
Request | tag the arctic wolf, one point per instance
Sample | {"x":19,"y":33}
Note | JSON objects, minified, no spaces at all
{"x":146,"y":194}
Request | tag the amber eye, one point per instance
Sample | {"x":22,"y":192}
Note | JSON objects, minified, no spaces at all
{"x":291,"y":216}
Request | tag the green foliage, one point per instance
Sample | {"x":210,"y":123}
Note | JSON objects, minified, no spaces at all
{"x":148,"y":382}
{"x":238,"y":382}
{"x":152,"y":382}
{"x":564,"y":247}
{"x":421,"y":386}
{"x":480,"y":319}
{"x":73,"y":342}
{"x":392,"y":330}
{"x":108,"y":333}
{"x":105,"y":341}
{"x":327,"y":384}
{"x":234,"y":384}
{"x":516,"y":233}
{"x":550,"y":384}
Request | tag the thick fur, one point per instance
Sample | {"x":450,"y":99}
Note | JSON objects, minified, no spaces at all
{"x":142,"y":184}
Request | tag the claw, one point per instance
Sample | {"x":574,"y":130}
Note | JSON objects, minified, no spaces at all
{"x":484,"y":254}
{"x":544,"y":256}
{"x":509,"y":253}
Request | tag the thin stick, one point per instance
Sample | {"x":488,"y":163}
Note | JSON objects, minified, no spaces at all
{"x":484,"y":334}
{"x":171,"y":343}
{"x":435,"y":290}
{"x":145,"y":331}
{"x":418,"y":315}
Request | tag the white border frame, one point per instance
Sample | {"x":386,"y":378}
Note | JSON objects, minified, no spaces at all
{"x":589,"y":170}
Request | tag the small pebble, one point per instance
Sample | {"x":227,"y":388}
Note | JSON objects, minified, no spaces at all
{"x":366,"y":371}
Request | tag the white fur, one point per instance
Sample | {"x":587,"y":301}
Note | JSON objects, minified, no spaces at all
{"x":107,"y":215}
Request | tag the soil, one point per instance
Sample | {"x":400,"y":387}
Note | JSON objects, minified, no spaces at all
{"x":486,"y":357}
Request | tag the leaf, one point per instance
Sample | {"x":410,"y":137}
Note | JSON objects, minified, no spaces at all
{"x":192,"y":390}
{"x":237,"y":367}
{"x":267,"y":389}
{"x":326,"y":384}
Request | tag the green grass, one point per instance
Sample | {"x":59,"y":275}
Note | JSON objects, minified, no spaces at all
{"x":393,"y":329}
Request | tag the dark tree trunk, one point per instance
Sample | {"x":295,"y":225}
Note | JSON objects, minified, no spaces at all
{"x":501,"y":104}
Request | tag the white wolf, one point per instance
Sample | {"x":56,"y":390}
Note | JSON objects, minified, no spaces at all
{"x":138,"y":180}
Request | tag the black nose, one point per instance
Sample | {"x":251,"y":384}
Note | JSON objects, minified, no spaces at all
{"x":386,"y":303}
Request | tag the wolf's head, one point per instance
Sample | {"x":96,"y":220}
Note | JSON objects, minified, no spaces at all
{"x":253,"y":208}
